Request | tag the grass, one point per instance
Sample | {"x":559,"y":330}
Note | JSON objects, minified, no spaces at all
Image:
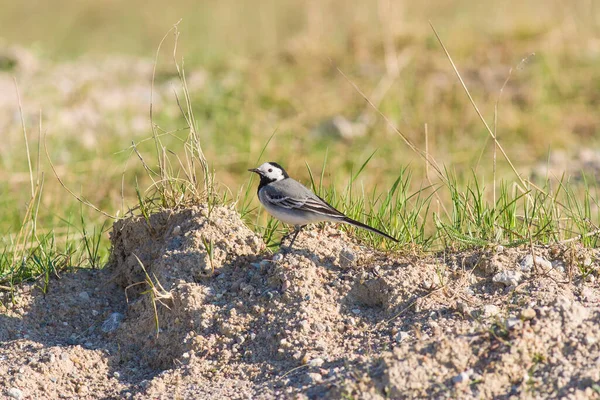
{"x":425,"y":170}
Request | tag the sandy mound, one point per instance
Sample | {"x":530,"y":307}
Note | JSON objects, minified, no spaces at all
{"x":331,"y":319}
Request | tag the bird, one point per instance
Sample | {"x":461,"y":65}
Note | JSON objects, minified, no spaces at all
{"x":294,"y":204}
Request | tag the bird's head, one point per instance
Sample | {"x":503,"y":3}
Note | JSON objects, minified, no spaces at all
{"x":270,"y":172}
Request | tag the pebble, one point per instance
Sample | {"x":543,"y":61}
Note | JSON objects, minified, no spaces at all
{"x":559,"y":266}
{"x":316,"y":362}
{"x":528,"y":313}
{"x":277,"y":257}
{"x":15,"y":393}
{"x":490,"y":310}
{"x":112,"y":322}
{"x":463,"y":308}
{"x":116,"y":374}
{"x":176,"y":230}
{"x":315,"y":378}
{"x":513,"y":324}
{"x":590,"y":340}
{"x":462,"y":377}
{"x":356,"y":311}
{"x":527,"y":263}
{"x":264,"y":264}
{"x":84,"y":296}
{"x":402,"y":336}
{"x":508,"y":278}
{"x":347,"y":258}
{"x":305,"y":325}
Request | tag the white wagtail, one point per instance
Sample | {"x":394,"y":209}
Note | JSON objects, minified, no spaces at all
{"x":293,"y":203}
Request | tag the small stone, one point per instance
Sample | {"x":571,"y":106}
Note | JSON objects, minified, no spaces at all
{"x":95,"y":313}
{"x":264,"y":264}
{"x":316,"y":362}
{"x":240,"y":339}
{"x":15,"y":393}
{"x":559,"y":266}
{"x":285,"y":285}
{"x":543,"y":263}
{"x":185,"y":355}
{"x":247,"y":288}
{"x":402,"y":336}
{"x":347,"y":258}
{"x":499,"y":248}
{"x":315,"y":378}
{"x":356,"y":311}
{"x":84,"y":296}
{"x":490,"y":310}
{"x":72,"y":340}
{"x":527,"y":263}
{"x":508,"y":278}
{"x":305,"y":325}
{"x":277,"y":257}
{"x":463,"y":308}
{"x":116,"y":375}
{"x":513,"y":324}
{"x":177,"y":230}
{"x":112,"y":322}
{"x":528,"y":313}
{"x":462,"y":377}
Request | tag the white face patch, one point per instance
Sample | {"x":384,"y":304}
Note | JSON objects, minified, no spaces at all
{"x":271,"y":172}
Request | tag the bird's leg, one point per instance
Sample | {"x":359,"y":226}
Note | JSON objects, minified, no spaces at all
{"x":297,"y":229}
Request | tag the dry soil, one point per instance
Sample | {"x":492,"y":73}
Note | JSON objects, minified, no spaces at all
{"x":192,"y":305}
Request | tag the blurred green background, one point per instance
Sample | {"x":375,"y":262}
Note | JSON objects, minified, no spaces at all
{"x":258,"y":68}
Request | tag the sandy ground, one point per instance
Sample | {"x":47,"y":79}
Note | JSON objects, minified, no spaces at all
{"x":330,"y":319}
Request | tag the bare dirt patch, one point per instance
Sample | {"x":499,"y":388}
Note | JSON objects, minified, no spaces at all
{"x":330,"y":319}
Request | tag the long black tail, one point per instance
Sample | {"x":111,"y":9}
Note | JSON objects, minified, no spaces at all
{"x":350,"y":221}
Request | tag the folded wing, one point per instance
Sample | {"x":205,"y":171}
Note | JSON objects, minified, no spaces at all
{"x":309,"y":203}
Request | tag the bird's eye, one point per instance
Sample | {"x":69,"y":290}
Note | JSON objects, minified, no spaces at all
{"x":270,"y":169}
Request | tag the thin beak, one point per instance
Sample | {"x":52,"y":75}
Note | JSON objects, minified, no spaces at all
{"x":254,"y":170}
